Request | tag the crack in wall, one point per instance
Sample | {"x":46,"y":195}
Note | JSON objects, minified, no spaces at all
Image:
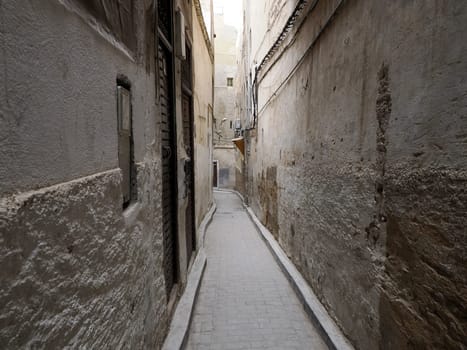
{"x":383,"y":113}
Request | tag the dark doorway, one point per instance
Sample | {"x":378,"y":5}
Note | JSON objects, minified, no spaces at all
{"x":169,"y":151}
{"x":214,"y":173}
{"x":187,"y":108}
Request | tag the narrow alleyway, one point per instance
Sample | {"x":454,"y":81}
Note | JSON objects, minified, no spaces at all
{"x":245,"y":302}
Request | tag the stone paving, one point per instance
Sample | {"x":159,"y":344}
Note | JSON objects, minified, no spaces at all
{"x":245,"y":301}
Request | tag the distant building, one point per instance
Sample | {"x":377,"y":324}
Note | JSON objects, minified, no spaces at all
{"x":226,"y":125}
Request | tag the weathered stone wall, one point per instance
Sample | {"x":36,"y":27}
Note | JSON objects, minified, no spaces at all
{"x":78,"y":273}
{"x":359,"y":165}
{"x":77,"y":270}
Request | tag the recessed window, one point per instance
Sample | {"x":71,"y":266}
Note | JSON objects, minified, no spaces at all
{"x":125,"y":143}
{"x":229,"y":81}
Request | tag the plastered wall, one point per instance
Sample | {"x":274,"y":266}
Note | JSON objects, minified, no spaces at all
{"x":77,"y":271}
{"x":225,"y":155}
{"x":203,"y":110}
{"x":358,"y":164}
{"x":225,"y":67}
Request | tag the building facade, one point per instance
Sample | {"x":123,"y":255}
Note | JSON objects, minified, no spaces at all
{"x":102,"y":182}
{"x":225,"y":126}
{"x":356,"y":159}
{"x":203,"y":102}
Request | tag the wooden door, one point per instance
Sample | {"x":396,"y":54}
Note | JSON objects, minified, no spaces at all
{"x":169,"y":174}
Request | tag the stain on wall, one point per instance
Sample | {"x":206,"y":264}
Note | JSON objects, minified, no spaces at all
{"x":267,"y":192}
{"x":383,"y":113}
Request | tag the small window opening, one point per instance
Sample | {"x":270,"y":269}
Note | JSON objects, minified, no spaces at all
{"x":229,"y":81}
{"x":125,"y":142}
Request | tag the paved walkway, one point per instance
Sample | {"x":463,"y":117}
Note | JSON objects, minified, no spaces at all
{"x":245,"y":302}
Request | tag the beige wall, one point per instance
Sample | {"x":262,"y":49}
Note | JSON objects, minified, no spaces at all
{"x":224,"y":102}
{"x":203,"y":113}
{"x":225,"y":155}
{"x":225,"y":66}
{"x":202,"y":75}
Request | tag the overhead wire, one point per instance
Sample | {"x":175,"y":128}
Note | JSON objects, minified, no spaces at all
{"x":287,"y":28}
{"x":281,"y":37}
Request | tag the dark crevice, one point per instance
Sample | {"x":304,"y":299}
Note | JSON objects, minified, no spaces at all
{"x":383,"y":114}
